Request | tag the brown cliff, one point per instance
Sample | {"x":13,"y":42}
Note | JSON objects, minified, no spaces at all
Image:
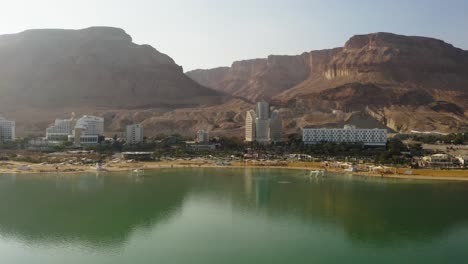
{"x":256,"y":79}
{"x":405,"y":82}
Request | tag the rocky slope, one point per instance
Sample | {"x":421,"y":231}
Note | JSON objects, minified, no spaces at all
{"x":400,"y":82}
{"x":47,"y":74}
{"x":97,"y":67}
{"x":256,"y":79}
{"x":392,"y":60}
{"x":406,"y":83}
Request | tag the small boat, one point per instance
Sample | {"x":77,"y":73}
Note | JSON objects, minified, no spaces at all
{"x":351,"y":169}
{"x":284,"y":182}
{"x":24,"y":168}
{"x":138,"y":172}
{"x":99,"y":167}
{"x":317,"y":173}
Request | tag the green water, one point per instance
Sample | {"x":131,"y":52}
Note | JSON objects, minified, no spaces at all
{"x":230,"y":216}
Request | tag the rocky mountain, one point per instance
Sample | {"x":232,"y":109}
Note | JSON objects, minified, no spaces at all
{"x":406,"y":83}
{"x":393,"y":61}
{"x":47,"y":74}
{"x":96,"y":67}
{"x":401,"y":82}
{"x":256,"y":79}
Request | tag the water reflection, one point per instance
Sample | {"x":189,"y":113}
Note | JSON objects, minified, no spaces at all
{"x":103,"y":210}
{"x":262,"y":191}
{"x":367,"y":209}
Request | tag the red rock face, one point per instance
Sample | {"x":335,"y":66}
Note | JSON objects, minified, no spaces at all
{"x":382,"y":58}
{"x":416,"y":77}
{"x":256,"y":79}
{"x":390,"y":58}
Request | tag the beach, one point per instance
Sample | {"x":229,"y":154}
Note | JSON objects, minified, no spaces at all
{"x":13,"y":167}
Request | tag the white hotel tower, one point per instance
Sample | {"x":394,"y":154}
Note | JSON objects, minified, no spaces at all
{"x":7,"y":130}
{"x":85,"y":130}
{"x":88,"y":129}
{"x":61,"y":129}
{"x":134,"y":134}
{"x":262,"y":127}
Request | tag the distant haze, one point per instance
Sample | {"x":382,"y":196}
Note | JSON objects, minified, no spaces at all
{"x":210,"y":33}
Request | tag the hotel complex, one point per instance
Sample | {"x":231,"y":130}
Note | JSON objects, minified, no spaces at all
{"x":60,"y":130}
{"x":261,"y":126}
{"x":86,"y":130}
{"x":7,"y":130}
{"x":250,"y":127}
{"x":134,"y":134}
{"x":348,"y":134}
{"x":203,"y":137}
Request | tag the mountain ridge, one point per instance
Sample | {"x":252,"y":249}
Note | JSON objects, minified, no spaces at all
{"x":55,"y":67}
{"x":49,"y":73}
{"x":397,"y":68}
{"x":404,"y":83}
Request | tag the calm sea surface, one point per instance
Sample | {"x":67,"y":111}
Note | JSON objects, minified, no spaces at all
{"x":230,"y":216}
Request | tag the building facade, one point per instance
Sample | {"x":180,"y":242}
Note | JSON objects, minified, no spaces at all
{"x":88,"y":129}
{"x":7,"y":130}
{"x":262,"y":123}
{"x":261,"y":126}
{"x":441,"y":161}
{"x":203,"y":136}
{"x":263,"y":110}
{"x":276,"y":127}
{"x":370,"y":137}
{"x":262,"y":131}
{"x":250,"y":128}
{"x":134,"y":134}
{"x":60,"y":130}
{"x":202,"y":147}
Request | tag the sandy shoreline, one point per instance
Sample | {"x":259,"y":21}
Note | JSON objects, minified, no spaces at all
{"x":399,"y":173}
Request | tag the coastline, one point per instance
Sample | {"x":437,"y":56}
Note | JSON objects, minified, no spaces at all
{"x":398,"y":173}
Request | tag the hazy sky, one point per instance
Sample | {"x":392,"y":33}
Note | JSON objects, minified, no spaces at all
{"x":210,"y":33}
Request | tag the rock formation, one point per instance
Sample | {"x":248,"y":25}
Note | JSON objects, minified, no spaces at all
{"x":97,"y":67}
{"x":398,"y":77}
{"x":404,"y":83}
{"x":256,"y":79}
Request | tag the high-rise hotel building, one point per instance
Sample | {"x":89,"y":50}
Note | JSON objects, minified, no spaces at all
{"x":250,"y":127}
{"x":203,"y":136}
{"x":7,"y":130}
{"x":276,"y":127}
{"x":134,"y":134}
{"x":60,"y":130}
{"x":88,"y":129}
{"x":261,"y":126}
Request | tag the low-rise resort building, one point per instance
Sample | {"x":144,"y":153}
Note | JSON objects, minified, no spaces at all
{"x":348,"y":134}
{"x":442,"y":161}
{"x":60,"y":130}
{"x":84,"y":131}
{"x":88,"y":129}
{"x":201,"y":143}
{"x":140,"y":156}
